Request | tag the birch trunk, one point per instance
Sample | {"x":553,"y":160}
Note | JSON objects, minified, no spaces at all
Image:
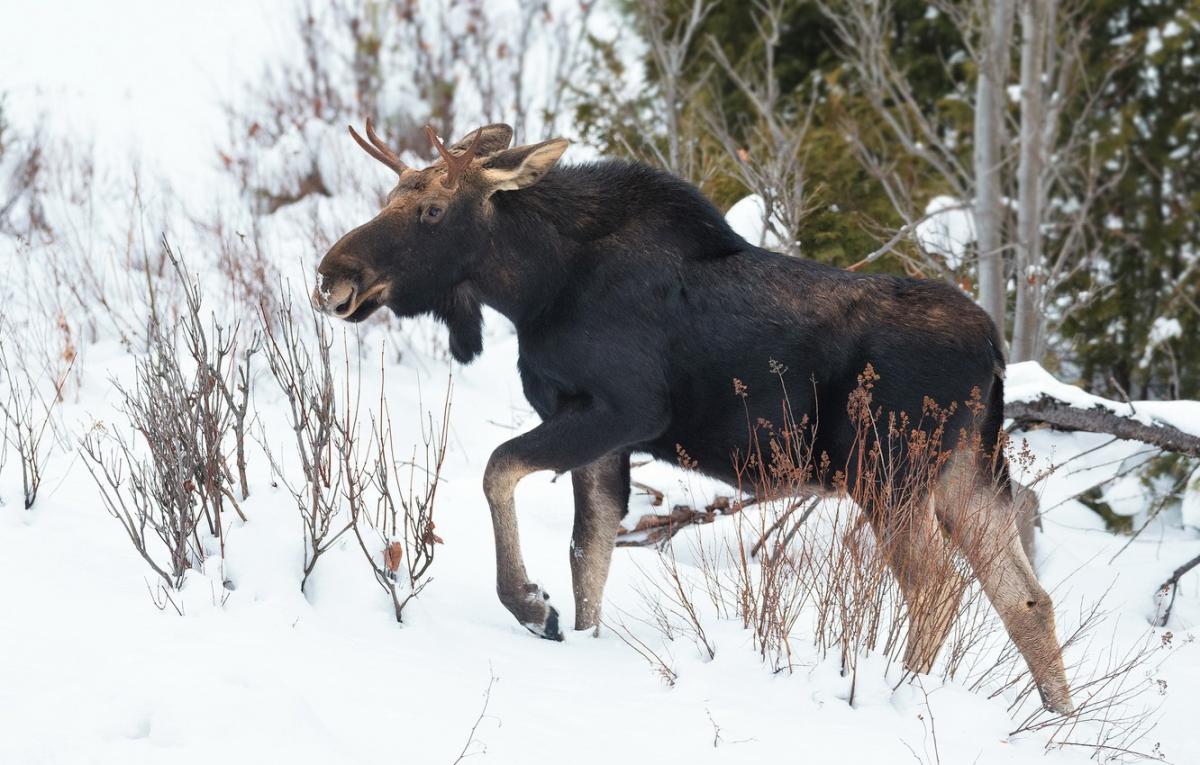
{"x":1029,"y":322}
{"x":989,"y":142}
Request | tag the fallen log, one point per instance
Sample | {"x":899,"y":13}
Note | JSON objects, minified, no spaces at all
{"x":1055,"y":413}
{"x":1047,"y":410}
{"x":655,"y":530}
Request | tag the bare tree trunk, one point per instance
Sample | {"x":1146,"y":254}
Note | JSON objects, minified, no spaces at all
{"x":989,"y":143}
{"x":1028,"y":322}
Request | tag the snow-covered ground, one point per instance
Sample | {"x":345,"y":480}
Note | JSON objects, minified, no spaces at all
{"x":92,"y":672}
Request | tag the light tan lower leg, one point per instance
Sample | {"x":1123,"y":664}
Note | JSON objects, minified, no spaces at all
{"x":524,"y":600}
{"x":923,"y":564}
{"x":984,"y":529}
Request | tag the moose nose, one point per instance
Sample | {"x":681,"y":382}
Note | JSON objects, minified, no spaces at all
{"x":335,"y":299}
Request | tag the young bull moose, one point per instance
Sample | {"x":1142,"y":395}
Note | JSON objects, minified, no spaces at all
{"x":635,"y":306}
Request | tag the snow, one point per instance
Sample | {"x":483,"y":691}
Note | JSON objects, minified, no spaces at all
{"x":91,"y":671}
{"x":948,"y":229}
{"x":144,"y":74}
{"x":1190,"y":507}
{"x":747,"y":217}
{"x":1162,"y":330}
{"x":1154,"y":42}
{"x":1028,"y":381}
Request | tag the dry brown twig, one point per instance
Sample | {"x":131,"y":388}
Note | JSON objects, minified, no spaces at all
{"x":25,"y":428}
{"x":657,"y":664}
{"x":487,"y":698}
{"x":306,"y":381}
{"x":401,"y":530}
{"x":185,"y":421}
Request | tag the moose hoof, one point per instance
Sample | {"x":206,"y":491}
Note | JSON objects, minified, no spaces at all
{"x":549,"y":628}
{"x":538,"y":616}
{"x":1058,"y":702}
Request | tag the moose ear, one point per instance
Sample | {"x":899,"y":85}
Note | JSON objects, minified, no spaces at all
{"x":494,"y":138}
{"x":522,"y":166}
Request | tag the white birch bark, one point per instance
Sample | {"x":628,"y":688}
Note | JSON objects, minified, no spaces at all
{"x":989,"y":157}
{"x":1029,"y":321}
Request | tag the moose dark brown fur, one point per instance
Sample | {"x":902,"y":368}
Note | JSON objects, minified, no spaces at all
{"x":636,"y":306}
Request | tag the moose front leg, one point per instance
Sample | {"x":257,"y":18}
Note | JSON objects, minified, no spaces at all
{"x":601,"y":500}
{"x":566,"y":441}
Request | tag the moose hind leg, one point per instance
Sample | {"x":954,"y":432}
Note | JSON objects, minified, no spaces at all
{"x":982,"y":525}
{"x":923,"y":564}
{"x":601,"y":499}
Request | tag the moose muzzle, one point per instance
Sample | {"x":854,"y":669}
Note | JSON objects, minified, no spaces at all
{"x":339,"y":299}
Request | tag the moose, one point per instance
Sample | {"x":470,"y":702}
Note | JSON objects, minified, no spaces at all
{"x":635,"y":307}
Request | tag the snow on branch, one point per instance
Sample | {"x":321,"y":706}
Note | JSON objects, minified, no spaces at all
{"x":1035,"y":397}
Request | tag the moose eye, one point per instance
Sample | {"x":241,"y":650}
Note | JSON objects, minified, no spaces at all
{"x":432,"y":214}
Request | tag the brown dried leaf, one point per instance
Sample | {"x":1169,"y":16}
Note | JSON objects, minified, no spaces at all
{"x":392,"y":556}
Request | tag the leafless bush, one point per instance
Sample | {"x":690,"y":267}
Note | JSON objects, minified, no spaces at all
{"x":669,"y":44}
{"x":22,"y":181}
{"x":399,"y":532}
{"x":28,"y":418}
{"x":179,"y":491}
{"x":153,"y":501}
{"x":770,"y":154}
{"x":1115,"y":689}
{"x":658,"y":664}
{"x":249,"y":272}
{"x":306,"y":380}
{"x":788,"y":564}
{"x":357,"y":59}
{"x":104,"y":269}
{"x":671,"y":600}
{"x":349,"y":483}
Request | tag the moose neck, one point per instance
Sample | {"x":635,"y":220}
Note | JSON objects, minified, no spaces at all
{"x":538,"y":233}
{"x":520,"y":278}
{"x":534,"y":238}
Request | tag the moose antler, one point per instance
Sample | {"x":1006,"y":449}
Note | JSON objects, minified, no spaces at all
{"x":378,"y":149}
{"x":455,"y":165}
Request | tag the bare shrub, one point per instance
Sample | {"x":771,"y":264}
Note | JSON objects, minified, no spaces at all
{"x":348,"y":483}
{"x":671,"y":600}
{"x":397,"y":536}
{"x":28,"y":418}
{"x":186,"y":419}
{"x":1115,"y":690}
{"x":152,"y":501}
{"x":660,"y":666}
{"x":249,"y":272}
{"x":357,"y":58}
{"x":306,"y":379}
{"x":769,"y":153}
{"x":22,"y":181}
{"x":104,"y":268}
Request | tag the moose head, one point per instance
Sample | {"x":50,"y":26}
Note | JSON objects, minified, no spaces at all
{"x":432,"y":233}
